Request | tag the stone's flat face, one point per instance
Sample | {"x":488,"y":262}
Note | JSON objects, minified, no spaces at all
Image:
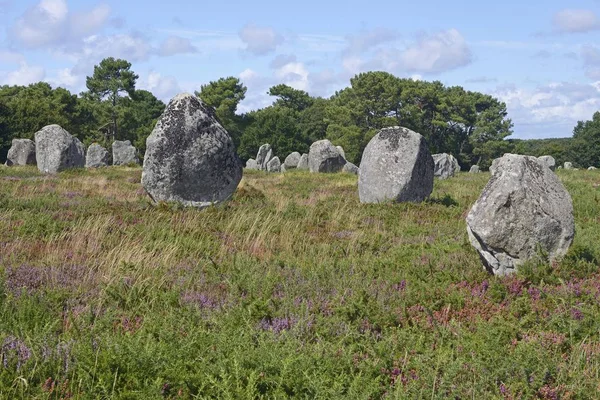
{"x":303,"y":162}
{"x":549,"y":161}
{"x":274,"y":165}
{"x":474,"y":169}
{"x":568,"y":165}
{"x":264,"y":155}
{"x":341,"y":151}
{"x":251,"y":164}
{"x":190,"y":158}
{"x":446,"y":165}
{"x":97,"y":156}
{"x":124,"y":153}
{"x":292,"y":160}
{"x":57,"y":149}
{"x":523,"y":208}
{"x":21,"y":152}
{"x":350,"y":168}
{"x":396,"y":166}
{"x":324,"y":157}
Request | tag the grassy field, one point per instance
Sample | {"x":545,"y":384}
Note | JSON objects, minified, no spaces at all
{"x":292,"y":289}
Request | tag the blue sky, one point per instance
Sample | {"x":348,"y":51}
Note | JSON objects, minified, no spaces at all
{"x":541,"y":57}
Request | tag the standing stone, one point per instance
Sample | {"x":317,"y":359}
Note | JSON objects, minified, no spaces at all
{"x":251,"y":164}
{"x":341,"y":151}
{"x":21,"y":152}
{"x":56,"y":150}
{"x":324,"y":157}
{"x":523,"y":209}
{"x":264,"y":155}
{"x":446,"y":165}
{"x":396,"y":165}
{"x":190,"y":158}
{"x":283,"y":168}
{"x":591,"y":168}
{"x":350,"y":168}
{"x":568,"y":165}
{"x":124,"y":153}
{"x":303,"y":162}
{"x":549,"y":161}
{"x":474,"y":169}
{"x":292,"y":160}
{"x":274,"y":165}
{"x":96,"y":156}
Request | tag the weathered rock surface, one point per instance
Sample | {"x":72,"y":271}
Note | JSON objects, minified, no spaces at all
{"x":251,"y":164}
{"x":324,"y":157}
{"x":591,"y":168}
{"x":341,"y":151}
{"x":264,"y":155}
{"x":396,"y":165}
{"x":190,"y":158}
{"x":474,"y":169}
{"x":96,"y":156}
{"x":124,"y":153}
{"x":350,"y":168}
{"x":283,"y":168}
{"x":274,"y":165}
{"x":21,"y":152}
{"x":292,"y":160}
{"x":56,"y":150}
{"x":549,"y":161}
{"x":446,"y":165}
{"x":523,"y":209}
{"x":303,"y":162}
{"x":568,"y":165}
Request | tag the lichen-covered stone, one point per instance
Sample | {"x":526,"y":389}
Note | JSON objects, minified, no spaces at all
{"x":350,"y":168}
{"x":124,"y":153}
{"x":96,"y":156}
{"x":21,"y":152}
{"x":56,"y":150}
{"x":324,"y":157}
{"x":251,"y":164}
{"x":396,"y":165}
{"x":274,"y":165}
{"x":474,"y":169}
{"x":190,"y":158}
{"x":303,"y":162}
{"x":549,"y":161}
{"x":292,"y":160}
{"x":523,"y":209}
{"x":264,"y":155}
{"x":445,"y":165}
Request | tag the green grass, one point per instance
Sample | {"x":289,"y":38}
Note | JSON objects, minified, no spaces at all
{"x":291,"y":289}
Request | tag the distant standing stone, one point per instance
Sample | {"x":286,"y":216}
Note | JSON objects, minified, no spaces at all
{"x":274,"y":165}
{"x":549,"y":161}
{"x":396,"y":165}
{"x":264,"y":155}
{"x":21,"y":152}
{"x":283,"y":168}
{"x":292,"y":160}
{"x":341,"y":150}
{"x":251,"y":164}
{"x":190,"y":158}
{"x":523,"y":208}
{"x":591,"y":168}
{"x":446,"y":165}
{"x":303,"y":162}
{"x":324,"y":157}
{"x":350,"y":168}
{"x":56,"y":150}
{"x":568,"y":165}
{"x":474,"y":169}
{"x":124,"y":153}
{"x":96,"y":156}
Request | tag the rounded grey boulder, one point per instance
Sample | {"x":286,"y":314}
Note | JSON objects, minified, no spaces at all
{"x":303,"y":162}
{"x":325,"y":157}
{"x":396,"y":165}
{"x":96,"y":156}
{"x":523,"y":209}
{"x":190,"y":158}
{"x":251,"y":164}
{"x":549,"y":161}
{"x":350,"y":168}
{"x":292,"y":160}
{"x":274,"y":165}
{"x":568,"y":165}
{"x":21,"y":152}
{"x":124,"y":153}
{"x":446,"y":165}
{"x":56,"y":150}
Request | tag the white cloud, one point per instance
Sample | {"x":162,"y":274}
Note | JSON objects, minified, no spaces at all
{"x":260,"y":40}
{"x":366,"y":40}
{"x":50,"y":23}
{"x":575,"y":21}
{"x":163,"y":87}
{"x":591,"y":61}
{"x":293,"y":74}
{"x":67,"y":79}
{"x":176,"y":45}
{"x":11,"y":57}
{"x":25,"y":75}
{"x":437,"y":53}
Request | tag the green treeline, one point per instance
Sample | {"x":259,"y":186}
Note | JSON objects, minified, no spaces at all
{"x":470,"y":125}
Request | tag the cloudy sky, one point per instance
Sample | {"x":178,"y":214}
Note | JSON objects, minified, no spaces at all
{"x":541,"y":57}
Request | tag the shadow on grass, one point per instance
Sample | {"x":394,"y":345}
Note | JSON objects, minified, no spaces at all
{"x":447,"y":201}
